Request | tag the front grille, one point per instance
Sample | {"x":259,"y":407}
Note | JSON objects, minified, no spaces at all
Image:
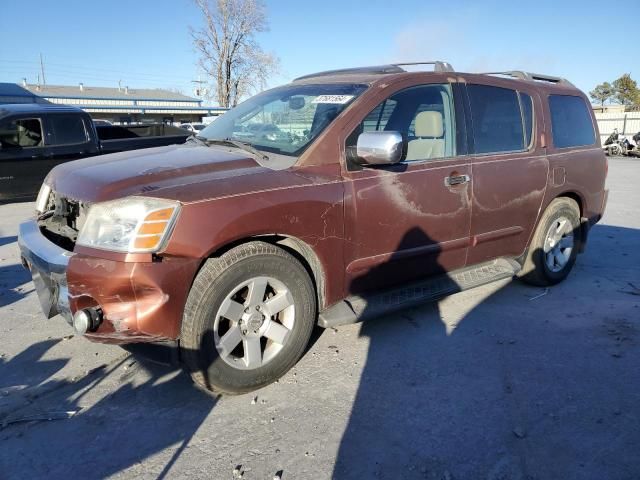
{"x":61,"y":220}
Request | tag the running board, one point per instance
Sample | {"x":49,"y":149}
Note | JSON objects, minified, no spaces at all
{"x":358,"y":308}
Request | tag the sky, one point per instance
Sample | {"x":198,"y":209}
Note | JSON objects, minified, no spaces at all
{"x":146,"y":43}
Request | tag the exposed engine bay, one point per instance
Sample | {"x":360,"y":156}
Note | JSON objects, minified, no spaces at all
{"x":62,"y":219}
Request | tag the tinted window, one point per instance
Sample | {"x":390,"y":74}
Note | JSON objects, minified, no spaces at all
{"x":68,"y":129}
{"x":423,"y":115}
{"x":571,"y":124}
{"x":527,"y":115}
{"x":26,"y":132}
{"x":496,"y":118}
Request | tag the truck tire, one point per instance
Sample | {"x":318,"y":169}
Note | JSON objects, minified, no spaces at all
{"x":247,"y":319}
{"x":553,"y":249}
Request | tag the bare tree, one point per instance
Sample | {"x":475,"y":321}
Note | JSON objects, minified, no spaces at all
{"x":229,"y":52}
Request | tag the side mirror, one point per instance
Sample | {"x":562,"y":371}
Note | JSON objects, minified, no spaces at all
{"x":379,"y":148}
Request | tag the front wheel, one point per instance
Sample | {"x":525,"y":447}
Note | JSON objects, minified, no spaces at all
{"x":553,"y":252}
{"x":248,"y":318}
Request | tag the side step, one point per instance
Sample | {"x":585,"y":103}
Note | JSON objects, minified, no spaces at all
{"x":358,"y":308}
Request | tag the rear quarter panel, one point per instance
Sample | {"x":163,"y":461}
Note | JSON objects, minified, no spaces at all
{"x":577,"y":171}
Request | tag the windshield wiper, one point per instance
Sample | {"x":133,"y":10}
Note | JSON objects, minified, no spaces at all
{"x":247,"y":147}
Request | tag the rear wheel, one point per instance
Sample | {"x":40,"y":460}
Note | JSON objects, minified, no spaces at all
{"x":553,"y":252}
{"x":248,"y":318}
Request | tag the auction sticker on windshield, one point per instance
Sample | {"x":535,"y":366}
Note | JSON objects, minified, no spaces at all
{"x":337,"y":99}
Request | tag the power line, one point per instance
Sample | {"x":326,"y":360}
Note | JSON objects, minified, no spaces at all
{"x":66,"y":68}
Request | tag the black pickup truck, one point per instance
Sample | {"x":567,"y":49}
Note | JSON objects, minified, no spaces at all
{"x":34,"y":138}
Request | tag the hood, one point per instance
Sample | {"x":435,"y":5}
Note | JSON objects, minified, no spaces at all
{"x":179,"y":172}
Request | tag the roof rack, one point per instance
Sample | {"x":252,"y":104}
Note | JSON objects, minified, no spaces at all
{"x":534,"y":77}
{"x":438,"y":66}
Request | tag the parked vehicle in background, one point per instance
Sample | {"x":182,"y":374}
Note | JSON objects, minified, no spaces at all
{"x":635,"y":151}
{"x":193,"y":127}
{"x":101,"y":123}
{"x":389,"y":188}
{"x":616,"y":144}
{"x":34,"y":138}
{"x":612,"y":145}
{"x":628,"y":144}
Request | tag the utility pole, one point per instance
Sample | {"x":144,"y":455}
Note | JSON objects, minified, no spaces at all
{"x":44,"y":82}
{"x":200,"y":92}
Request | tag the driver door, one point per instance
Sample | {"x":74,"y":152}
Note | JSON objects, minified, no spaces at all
{"x":22,"y":157}
{"x":409,"y":221}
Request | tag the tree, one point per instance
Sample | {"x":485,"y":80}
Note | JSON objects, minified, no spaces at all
{"x":602,"y":93}
{"x":626,"y":90}
{"x":229,"y":52}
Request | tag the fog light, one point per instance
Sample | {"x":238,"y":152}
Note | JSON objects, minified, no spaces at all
{"x":86,"y":320}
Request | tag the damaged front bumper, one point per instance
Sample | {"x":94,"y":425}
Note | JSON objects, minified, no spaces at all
{"x":48,"y":264}
{"x":141,"y":298}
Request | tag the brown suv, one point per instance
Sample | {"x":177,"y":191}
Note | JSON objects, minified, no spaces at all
{"x":341,"y":196}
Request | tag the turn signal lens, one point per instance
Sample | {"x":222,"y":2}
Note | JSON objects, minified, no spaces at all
{"x":164,"y":215}
{"x":147,"y":243}
{"x":152,"y":228}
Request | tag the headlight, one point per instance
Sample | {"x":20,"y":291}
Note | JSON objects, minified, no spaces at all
{"x":133,"y":224}
{"x":43,"y":198}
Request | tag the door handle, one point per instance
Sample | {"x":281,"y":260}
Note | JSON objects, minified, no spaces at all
{"x":456,"y":180}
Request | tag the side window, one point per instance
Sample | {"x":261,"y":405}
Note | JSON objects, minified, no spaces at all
{"x":22,"y":133}
{"x":571,"y":124}
{"x":379,"y":116}
{"x":424,"y":116}
{"x":496,"y":119}
{"x":526,"y":104}
{"x":68,"y":129}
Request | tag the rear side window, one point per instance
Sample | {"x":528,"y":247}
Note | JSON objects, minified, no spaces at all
{"x":22,"y":133}
{"x":68,"y":129}
{"x":497,"y":121}
{"x":571,"y":124}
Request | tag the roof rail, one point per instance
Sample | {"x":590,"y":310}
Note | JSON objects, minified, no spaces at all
{"x":438,"y":66}
{"x":534,"y":77}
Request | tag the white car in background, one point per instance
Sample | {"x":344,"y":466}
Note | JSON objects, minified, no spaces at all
{"x":193,"y":127}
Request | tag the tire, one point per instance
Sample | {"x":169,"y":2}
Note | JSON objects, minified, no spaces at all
{"x":212,"y":311}
{"x":548,"y":261}
{"x":615,"y":150}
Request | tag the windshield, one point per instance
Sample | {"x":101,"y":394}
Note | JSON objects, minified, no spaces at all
{"x":284,"y":120}
{"x":198,"y":126}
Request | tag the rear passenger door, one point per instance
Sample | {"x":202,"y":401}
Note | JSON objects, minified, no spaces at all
{"x":69,"y":138}
{"x":408,"y":221}
{"x":509,"y":168}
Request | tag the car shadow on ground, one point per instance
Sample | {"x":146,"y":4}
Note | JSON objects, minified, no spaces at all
{"x":8,"y":240}
{"x":153,"y":409}
{"x":14,"y":284}
{"x":516,"y":389}
{"x":522,"y":391}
